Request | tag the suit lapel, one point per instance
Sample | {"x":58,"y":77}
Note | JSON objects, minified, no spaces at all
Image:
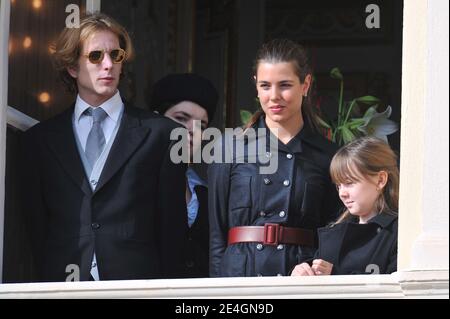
{"x":130,"y":135}
{"x":61,"y":141}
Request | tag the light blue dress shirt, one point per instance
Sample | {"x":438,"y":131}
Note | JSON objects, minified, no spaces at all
{"x":82,"y":125}
{"x":193,"y":205}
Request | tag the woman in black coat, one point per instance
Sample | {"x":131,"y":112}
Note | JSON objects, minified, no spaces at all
{"x":262,"y":223}
{"x":364,"y":239}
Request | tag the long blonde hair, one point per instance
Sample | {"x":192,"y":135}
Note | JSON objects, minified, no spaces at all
{"x":364,"y":157}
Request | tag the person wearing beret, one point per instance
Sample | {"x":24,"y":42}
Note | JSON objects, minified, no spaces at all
{"x":186,"y":98}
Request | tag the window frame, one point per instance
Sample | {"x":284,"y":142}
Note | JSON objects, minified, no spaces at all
{"x":411,"y":227}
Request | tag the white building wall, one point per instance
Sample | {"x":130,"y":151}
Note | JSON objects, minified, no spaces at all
{"x":424,"y":179}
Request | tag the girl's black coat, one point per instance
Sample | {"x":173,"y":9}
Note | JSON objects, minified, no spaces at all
{"x":355,"y":248}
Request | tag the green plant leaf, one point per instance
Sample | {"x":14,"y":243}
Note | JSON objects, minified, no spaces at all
{"x":355,"y":123}
{"x":368,"y":100}
{"x":347,"y":135}
{"x":336,"y":74}
{"x":245,"y":116}
{"x":371,"y":111}
{"x":323,"y":123}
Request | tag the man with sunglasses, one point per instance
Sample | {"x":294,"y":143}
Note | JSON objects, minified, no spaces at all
{"x":103,"y":198}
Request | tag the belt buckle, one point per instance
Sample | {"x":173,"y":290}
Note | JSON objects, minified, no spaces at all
{"x":272,"y":233}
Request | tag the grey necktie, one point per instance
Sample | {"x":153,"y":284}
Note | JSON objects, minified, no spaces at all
{"x":96,"y":139}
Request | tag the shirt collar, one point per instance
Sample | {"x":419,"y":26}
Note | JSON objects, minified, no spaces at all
{"x":382,"y":219}
{"x":194,"y":179}
{"x":113,"y":107}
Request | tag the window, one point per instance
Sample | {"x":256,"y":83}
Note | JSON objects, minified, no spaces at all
{"x":409,"y":78}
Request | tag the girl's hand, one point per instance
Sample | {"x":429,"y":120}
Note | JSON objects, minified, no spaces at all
{"x":321,"y":267}
{"x":302,"y":270}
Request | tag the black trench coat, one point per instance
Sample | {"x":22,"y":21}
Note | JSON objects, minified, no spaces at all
{"x":355,"y":248}
{"x":298,"y":194}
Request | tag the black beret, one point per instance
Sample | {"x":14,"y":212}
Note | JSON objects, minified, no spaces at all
{"x":175,"y":88}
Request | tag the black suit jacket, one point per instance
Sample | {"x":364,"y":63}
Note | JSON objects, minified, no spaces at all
{"x":197,"y":246}
{"x":135,"y":220}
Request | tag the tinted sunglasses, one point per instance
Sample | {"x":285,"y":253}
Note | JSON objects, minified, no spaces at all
{"x":96,"y":56}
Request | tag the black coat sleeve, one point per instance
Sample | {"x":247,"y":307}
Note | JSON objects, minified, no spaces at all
{"x":218,"y":193}
{"x":172,"y":227}
{"x":333,"y":206}
{"x":392,"y":264}
{"x":31,"y":197}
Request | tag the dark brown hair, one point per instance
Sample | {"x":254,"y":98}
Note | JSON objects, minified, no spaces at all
{"x":68,"y":46}
{"x":284,"y":50}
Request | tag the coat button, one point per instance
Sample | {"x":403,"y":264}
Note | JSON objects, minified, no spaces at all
{"x":259,"y":275}
{"x":282,"y":214}
{"x":94,"y":183}
{"x":262,"y":214}
{"x":95,"y":226}
{"x":289,"y":156}
{"x":379,"y":230}
{"x":266,"y":181}
{"x":286,"y":183}
{"x":280,"y":247}
{"x":259,"y":247}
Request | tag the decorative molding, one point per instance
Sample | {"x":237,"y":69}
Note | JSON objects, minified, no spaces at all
{"x":5,"y":9}
{"x":422,"y":284}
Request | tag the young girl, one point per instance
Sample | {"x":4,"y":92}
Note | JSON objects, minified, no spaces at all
{"x":264,"y":224}
{"x":364,"y":239}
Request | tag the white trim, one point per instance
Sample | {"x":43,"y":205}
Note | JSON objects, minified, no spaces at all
{"x":5,"y":8}
{"x":424,"y":180}
{"x":422,"y":284}
{"x":412,"y":129}
{"x":93,"y":6}
{"x":19,"y":120}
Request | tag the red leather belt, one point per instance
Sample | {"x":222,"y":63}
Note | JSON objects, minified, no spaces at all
{"x":271,"y":234}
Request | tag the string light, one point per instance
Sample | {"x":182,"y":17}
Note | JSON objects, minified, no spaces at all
{"x":44,"y":97}
{"x":37,"y":4}
{"x":10,"y":46}
{"x":27,"y":42}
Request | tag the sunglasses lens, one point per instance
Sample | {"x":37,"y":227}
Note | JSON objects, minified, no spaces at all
{"x":95,"y":56}
{"x":117,"y":55}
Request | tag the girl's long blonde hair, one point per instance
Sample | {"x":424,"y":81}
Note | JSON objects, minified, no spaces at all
{"x":364,"y":157}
